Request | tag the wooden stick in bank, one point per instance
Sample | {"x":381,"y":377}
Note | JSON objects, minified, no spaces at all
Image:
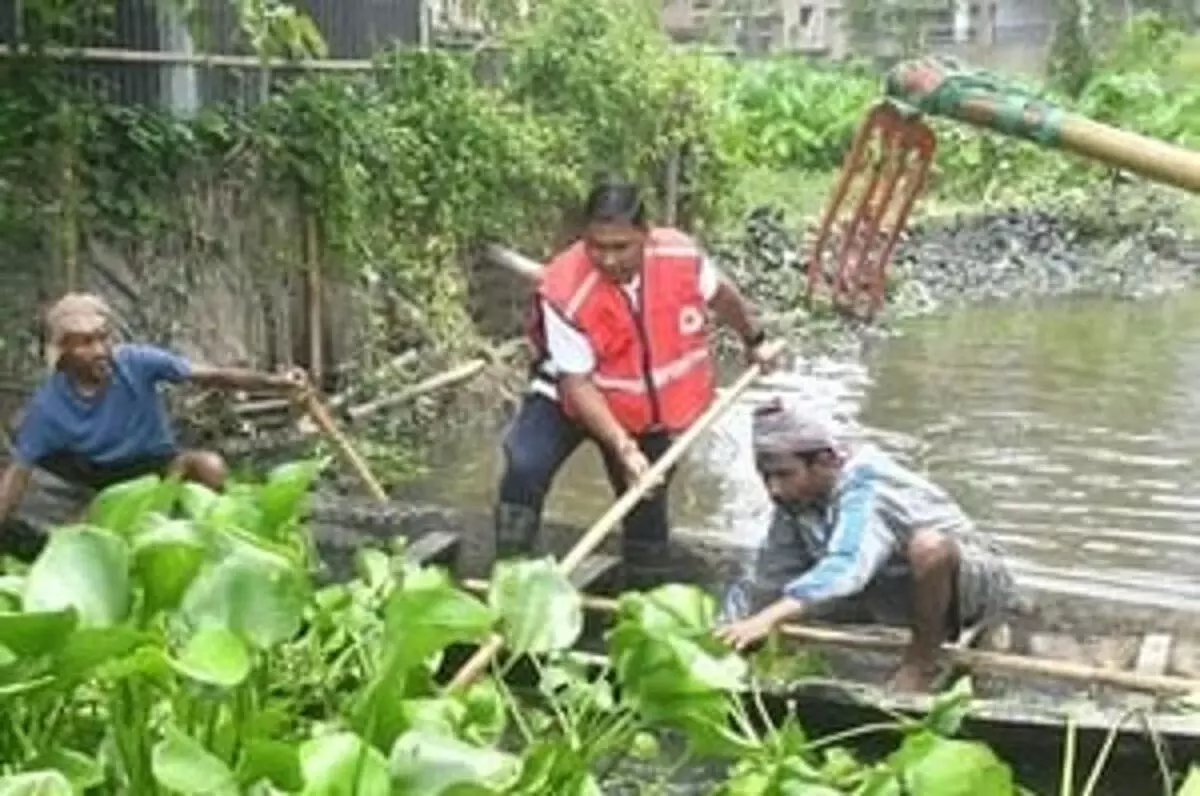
{"x":478,"y":662}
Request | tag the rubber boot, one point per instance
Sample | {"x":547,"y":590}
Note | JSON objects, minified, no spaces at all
{"x":646,"y":565}
{"x":518,"y":529}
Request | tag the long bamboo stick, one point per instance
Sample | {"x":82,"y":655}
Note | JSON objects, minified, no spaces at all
{"x":117,"y":55}
{"x":936,"y":87}
{"x":1149,"y":157}
{"x":611,"y":518}
{"x":320,"y":416}
{"x":974,"y":659}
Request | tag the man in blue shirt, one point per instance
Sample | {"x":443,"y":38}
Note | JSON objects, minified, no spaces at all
{"x":98,"y":418}
{"x":856,"y":533}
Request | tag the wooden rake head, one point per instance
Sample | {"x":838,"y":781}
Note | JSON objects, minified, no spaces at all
{"x":881,"y":177}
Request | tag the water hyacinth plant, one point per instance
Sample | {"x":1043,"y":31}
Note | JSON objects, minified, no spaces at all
{"x":177,"y":641}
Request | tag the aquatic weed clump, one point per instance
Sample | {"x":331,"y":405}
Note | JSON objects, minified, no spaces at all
{"x":175,"y":642}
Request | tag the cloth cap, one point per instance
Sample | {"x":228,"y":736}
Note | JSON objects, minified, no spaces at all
{"x":76,"y":313}
{"x":779,"y":430}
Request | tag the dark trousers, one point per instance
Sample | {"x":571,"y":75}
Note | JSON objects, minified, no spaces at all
{"x":541,"y":438}
{"x":76,"y":469}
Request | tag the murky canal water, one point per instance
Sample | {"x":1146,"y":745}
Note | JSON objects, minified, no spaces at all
{"x":1070,"y":429}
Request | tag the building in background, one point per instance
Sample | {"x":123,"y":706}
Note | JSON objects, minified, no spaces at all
{"x":977,"y":29}
{"x":757,"y":26}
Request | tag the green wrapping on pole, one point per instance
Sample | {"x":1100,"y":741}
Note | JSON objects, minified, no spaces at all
{"x":938,"y":86}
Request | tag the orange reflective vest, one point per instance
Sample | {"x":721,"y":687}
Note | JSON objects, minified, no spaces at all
{"x":653,"y":366}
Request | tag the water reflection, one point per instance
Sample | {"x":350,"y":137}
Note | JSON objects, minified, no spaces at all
{"x":1071,"y":430}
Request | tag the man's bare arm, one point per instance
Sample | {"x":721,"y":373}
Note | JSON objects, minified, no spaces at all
{"x":733,"y":308}
{"x":594,"y":411}
{"x":244,"y":379}
{"x":13,"y":484}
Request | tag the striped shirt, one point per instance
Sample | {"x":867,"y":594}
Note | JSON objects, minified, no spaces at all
{"x":856,"y":541}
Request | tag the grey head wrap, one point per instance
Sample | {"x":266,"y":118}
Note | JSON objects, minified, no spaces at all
{"x":780,"y":430}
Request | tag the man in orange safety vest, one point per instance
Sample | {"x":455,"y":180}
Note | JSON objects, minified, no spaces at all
{"x":620,"y":330}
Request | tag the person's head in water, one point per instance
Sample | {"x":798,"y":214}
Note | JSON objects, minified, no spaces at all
{"x":81,"y":334}
{"x":615,"y":229}
{"x":797,"y":454}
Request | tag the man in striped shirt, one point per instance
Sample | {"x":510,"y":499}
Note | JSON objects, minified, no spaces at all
{"x":854,"y":533}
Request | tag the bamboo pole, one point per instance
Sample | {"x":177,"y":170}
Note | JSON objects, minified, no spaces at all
{"x":917,"y":82}
{"x":316,"y":359}
{"x":113,"y":55}
{"x":447,"y":378}
{"x":320,"y":416}
{"x":69,"y":221}
{"x":604,"y":526}
{"x":514,"y":261}
{"x":1149,"y":157}
{"x":116,"y":55}
{"x":457,"y":375}
{"x":974,"y":659}
{"x":672,"y":200}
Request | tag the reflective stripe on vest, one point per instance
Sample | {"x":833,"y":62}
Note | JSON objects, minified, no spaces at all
{"x":661,"y":376}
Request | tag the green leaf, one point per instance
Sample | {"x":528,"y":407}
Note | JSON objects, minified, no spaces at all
{"x":214,"y":656}
{"x":256,"y":595}
{"x":438,"y":715}
{"x":674,"y":608}
{"x":82,"y":771}
{"x":166,"y":557}
{"x":273,"y":760}
{"x":232,"y":510}
{"x":281,"y":500}
{"x":341,"y":764}
{"x":36,"y":783}
{"x":644,"y":747}
{"x":556,"y":767}
{"x":423,"y":616}
{"x":936,"y":766}
{"x":123,"y":507}
{"x":540,"y":611}
{"x":427,"y":614}
{"x":374,"y":567}
{"x":1191,"y":785}
{"x":426,"y":764}
{"x":485,"y":717}
{"x":197,"y":499}
{"x":949,"y":709}
{"x":82,"y":568}
{"x":91,"y":647}
{"x":665,"y":671}
{"x":183,"y":765}
{"x":31,"y":634}
{"x":11,"y":588}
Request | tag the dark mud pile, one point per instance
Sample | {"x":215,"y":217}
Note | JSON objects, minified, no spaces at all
{"x":1127,"y":245}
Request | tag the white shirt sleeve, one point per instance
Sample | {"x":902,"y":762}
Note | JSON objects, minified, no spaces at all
{"x":569,"y":349}
{"x":710,"y":279}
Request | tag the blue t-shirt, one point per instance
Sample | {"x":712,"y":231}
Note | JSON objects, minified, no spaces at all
{"x":125,"y":422}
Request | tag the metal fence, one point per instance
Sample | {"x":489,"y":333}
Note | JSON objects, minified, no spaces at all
{"x":146,"y":53}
